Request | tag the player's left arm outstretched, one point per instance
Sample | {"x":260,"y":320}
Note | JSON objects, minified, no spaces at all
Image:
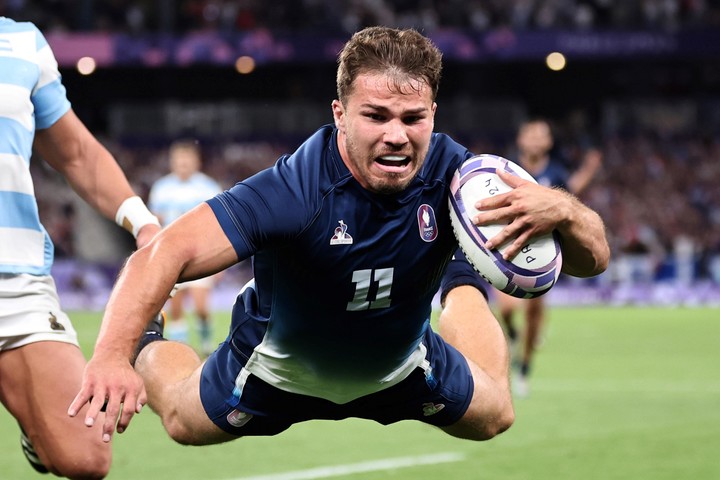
{"x":144,"y":284}
{"x":534,"y":210}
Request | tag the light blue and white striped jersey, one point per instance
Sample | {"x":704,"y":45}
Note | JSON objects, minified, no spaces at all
{"x":171,"y":196}
{"x":31,"y":96}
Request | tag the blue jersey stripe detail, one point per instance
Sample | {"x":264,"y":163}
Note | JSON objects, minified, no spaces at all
{"x":170,"y":197}
{"x":19,"y":211}
{"x":15,"y":139}
{"x":15,"y":269}
{"x":40,"y":39}
{"x":48,"y":107}
{"x":16,"y":71}
{"x":36,"y":107}
{"x":10,"y":25}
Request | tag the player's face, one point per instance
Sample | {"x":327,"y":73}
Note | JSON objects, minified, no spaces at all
{"x":384,"y":132}
{"x":535,"y":139}
{"x":184,"y":163}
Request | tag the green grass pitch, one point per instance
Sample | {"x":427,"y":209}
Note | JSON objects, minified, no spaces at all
{"x":617,"y":393}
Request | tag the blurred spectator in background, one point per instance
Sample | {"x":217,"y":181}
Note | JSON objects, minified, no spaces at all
{"x":335,"y":16}
{"x":535,"y":142}
{"x":679,"y":209}
{"x":170,"y":197}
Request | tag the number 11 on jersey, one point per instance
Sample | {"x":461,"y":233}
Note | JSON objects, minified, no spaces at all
{"x":372,"y":289}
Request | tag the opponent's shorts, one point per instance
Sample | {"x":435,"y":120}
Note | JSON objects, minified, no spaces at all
{"x":205,"y":282}
{"x":30,"y":312}
{"x":438,"y":395}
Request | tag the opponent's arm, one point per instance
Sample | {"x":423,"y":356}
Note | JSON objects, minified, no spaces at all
{"x":581,"y":178}
{"x":534,"y":210}
{"x":191,"y":247}
{"x":70,"y":148}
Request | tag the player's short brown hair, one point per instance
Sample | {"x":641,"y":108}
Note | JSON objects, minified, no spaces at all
{"x":402,"y":54}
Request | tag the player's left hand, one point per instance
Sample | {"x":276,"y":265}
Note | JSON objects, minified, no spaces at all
{"x":112,"y":385}
{"x":529,"y":209}
{"x":146,"y":234}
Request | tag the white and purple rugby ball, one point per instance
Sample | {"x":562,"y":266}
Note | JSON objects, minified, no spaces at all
{"x":534,"y":270}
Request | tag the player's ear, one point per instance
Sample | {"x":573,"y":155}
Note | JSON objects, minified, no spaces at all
{"x":339,"y":115}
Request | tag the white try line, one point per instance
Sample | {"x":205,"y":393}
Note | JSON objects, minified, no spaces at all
{"x":362,"y":467}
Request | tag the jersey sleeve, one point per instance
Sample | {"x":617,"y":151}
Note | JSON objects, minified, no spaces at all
{"x":460,"y":272}
{"x":270,"y":208}
{"x":49,"y":96}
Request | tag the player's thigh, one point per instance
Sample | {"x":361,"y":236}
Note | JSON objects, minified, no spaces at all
{"x":39,"y":381}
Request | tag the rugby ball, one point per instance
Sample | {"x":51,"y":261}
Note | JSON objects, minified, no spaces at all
{"x":534,"y":270}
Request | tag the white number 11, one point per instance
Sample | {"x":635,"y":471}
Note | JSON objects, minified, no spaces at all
{"x":363,"y":280}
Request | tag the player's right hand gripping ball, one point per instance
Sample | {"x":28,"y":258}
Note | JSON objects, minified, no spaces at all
{"x":534,"y":270}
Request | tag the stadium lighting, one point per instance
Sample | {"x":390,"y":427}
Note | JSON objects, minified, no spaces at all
{"x":245,"y":64}
{"x":86,"y":65}
{"x":555,"y":61}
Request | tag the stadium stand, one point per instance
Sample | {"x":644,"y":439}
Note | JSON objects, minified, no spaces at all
{"x":654,"y":119}
{"x":331,"y":15}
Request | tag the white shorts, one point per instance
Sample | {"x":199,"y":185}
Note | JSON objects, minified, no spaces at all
{"x":205,"y":282}
{"x":30,"y":312}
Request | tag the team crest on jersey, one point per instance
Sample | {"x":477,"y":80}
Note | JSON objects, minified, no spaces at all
{"x":427,"y":223}
{"x":341,"y":237}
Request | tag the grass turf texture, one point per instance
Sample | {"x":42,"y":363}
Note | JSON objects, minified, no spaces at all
{"x":617,"y":393}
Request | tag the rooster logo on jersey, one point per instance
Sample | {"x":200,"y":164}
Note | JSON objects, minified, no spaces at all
{"x":427,"y":223}
{"x":341,"y":237}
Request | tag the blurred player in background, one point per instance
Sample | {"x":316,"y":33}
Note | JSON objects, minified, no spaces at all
{"x":171,"y":196}
{"x":350,"y":237}
{"x":41,"y":364}
{"x":534,"y":143}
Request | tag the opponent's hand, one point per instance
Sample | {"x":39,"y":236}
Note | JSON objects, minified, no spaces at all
{"x":113,"y":383}
{"x":145,"y":234}
{"x":529,"y":209}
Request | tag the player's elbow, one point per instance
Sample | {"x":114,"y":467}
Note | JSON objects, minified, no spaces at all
{"x":588,"y":263}
{"x":602,"y":260}
{"x":600,"y":253}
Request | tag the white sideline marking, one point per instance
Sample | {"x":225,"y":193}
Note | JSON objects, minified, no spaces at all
{"x":353,"y":468}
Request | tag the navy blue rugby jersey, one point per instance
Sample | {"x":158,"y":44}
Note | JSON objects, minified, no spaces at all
{"x":553,"y":175}
{"x":344,"y":278}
